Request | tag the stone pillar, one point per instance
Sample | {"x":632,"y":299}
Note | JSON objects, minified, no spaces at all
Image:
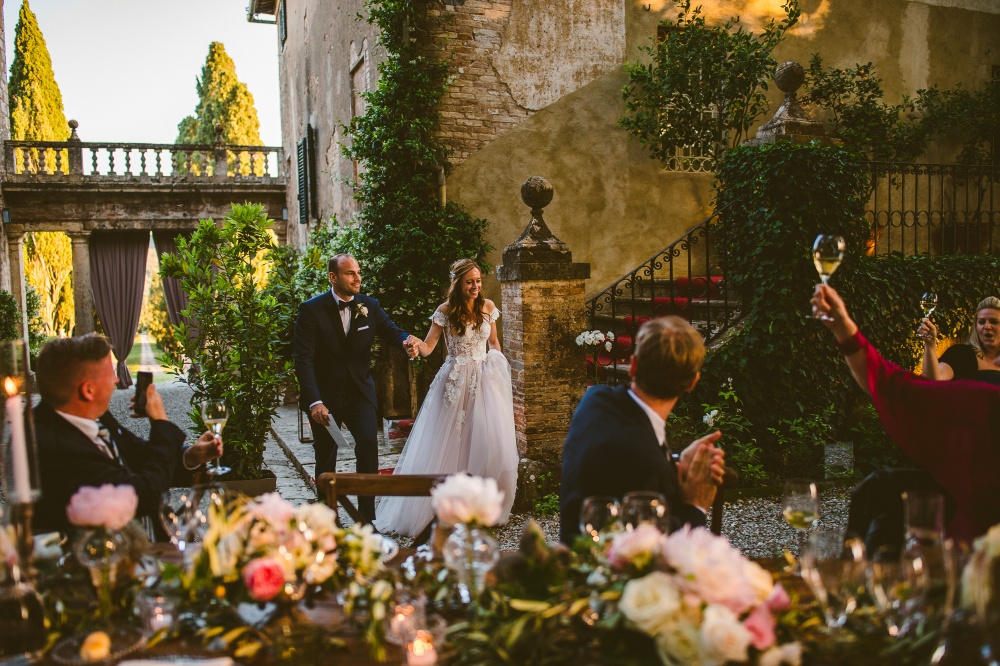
{"x":790,"y":121}
{"x":18,"y":287}
{"x":543,"y":304}
{"x":83,"y":293}
{"x":75,"y":153}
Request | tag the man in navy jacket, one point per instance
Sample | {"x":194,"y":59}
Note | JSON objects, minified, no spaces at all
{"x":617,"y":444}
{"x":333,"y":340}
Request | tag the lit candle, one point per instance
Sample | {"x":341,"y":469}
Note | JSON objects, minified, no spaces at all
{"x":401,"y":623}
{"x":160,"y":620}
{"x":18,"y":445}
{"x":421,"y":651}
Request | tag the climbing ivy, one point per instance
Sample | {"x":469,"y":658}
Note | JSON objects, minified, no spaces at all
{"x":404,"y":238}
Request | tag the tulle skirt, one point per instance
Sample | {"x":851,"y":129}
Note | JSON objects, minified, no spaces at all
{"x":466,"y":424}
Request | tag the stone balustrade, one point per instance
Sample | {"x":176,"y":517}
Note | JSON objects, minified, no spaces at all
{"x":48,"y":161}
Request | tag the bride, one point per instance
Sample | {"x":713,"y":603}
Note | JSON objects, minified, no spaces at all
{"x":466,"y":423}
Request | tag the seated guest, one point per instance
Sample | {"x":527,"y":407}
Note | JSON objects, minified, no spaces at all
{"x":81,"y":444}
{"x":617,"y":442}
{"x":949,"y":429}
{"x":979,"y":360}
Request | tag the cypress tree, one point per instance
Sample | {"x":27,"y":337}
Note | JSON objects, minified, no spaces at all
{"x":223,"y":100}
{"x":36,"y":114}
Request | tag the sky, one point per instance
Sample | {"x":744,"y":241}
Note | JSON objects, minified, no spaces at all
{"x":127,"y":69}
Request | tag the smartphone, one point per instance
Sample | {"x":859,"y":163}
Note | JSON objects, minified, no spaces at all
{"x":142,"y":382}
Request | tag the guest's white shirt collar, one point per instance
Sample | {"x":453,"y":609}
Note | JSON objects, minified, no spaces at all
{"x":87,"y":426}
{"x":658,"y":422}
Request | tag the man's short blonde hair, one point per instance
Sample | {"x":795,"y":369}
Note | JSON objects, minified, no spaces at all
{"x":669,"y":353}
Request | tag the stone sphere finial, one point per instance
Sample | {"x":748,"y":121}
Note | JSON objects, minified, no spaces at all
{"x":73,"y":136}
{"x":536,"y":192}
{"x":789,"y":76}
{"x":73,"y":124}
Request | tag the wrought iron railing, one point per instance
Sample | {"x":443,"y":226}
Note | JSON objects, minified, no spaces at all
{"x":685,"y":279}
{"x":41,"y":161}
{"x":934,"y":208}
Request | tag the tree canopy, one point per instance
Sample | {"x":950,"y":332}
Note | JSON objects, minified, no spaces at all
{"x":36,"y":105}
{"x":223,"y":100}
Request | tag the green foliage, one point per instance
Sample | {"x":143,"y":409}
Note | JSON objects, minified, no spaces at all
{"x":548,"y":496}
{"x":36,"y":333}
{"x":232,"y":349}
{"x":36,"y":106}
{"x":783,"y":365}
{"x":48,"y":267}
{"x":974,"y":116}
{"x":10,"y":317}
{"x":704,"y":85}
{"x":799,"y":443}
{"x":405,"y":240}
{"x":223,"y":101}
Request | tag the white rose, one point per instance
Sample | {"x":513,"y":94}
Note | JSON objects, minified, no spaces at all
{"x":680,"y":642}
{"x":650,"y":601}
{"x":789,"y":653}
{"x":462,"y":498}
{"x":723,"y":636}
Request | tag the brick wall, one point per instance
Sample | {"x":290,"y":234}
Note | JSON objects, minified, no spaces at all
{"x":478,"y":107}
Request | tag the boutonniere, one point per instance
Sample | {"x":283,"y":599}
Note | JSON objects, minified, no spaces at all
{"x":361,"y":311}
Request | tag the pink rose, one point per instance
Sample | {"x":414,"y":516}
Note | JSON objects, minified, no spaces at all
{"x":264,"y":578}
{"x":110,"y":507}
{"x":635,"y":547}
{"x":276,"y":511}
{"x":760,"y":623}
{"x":778,"y":599}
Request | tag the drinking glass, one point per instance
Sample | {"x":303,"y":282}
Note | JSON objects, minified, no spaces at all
{"x":215,"y":414}
{"x":928,"y":303}
{"x":176,"y":507}
{"x":828,"y":252}
{"x":598,"y":514}
{"x":898,"y":586}
{"x":834,"y":569}
{"x":206,"y":500}
{"x":646,"y":507}
{"x":800,"y":507}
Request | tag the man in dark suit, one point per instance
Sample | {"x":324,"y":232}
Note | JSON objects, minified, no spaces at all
{"x":81,"y":444}
{"x":617,"y":444}
{"x":333,"y":340}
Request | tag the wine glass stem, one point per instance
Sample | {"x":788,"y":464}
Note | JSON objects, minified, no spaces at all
{"x":802,"y":548}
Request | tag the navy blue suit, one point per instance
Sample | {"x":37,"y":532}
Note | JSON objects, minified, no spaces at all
{"x":335,"y":368}
{"x":610,"y":450}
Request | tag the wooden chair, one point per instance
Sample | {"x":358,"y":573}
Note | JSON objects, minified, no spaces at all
{"x":336,"y":487}
{"x":730,"y":479}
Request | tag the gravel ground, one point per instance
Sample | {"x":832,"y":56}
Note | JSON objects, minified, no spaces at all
{"x":176,"y":399}
{"x":755,"y":526}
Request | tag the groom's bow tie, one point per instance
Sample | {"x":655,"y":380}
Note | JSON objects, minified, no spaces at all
{"x":343,"y":305}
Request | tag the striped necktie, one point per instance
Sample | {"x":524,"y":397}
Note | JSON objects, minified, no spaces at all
{"x":108,"y":445}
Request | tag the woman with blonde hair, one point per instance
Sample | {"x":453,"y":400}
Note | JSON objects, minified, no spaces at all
{"x":466,"y":423}
{"x":978,"y":360}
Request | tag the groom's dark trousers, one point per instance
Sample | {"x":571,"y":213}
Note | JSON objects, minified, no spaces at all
{"x":335,"y":368}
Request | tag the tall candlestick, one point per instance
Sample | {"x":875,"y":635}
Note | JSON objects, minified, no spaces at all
{"x":20,"y":470}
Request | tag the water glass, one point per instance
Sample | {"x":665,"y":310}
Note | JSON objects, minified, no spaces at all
{"x":924,"y":518}
{"x":158,"y":609}
{"x":597,"y":514}
{"x":646,"y":507}
{"x":898,"y":586}
{"x":206,"y":501}
{"x":834,"y":568}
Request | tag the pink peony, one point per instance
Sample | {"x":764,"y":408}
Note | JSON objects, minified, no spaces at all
{"x":778,"y":600}
{"x":264,"y":578}
{"x":635,"y":547}
{"x":760,"y":623}
{"x":110,"y":507}
{"x":272,"y":508}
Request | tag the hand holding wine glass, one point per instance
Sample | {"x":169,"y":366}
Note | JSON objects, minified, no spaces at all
{"x":928,"y":303}
{"x":828,"y":253}
{"x":214,"y":414}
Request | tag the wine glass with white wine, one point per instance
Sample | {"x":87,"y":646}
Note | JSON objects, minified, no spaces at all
{"x":928,"y":303}
{"x":214,"y":414}
{"x":801,"y":508}
{"x":828,"y":253}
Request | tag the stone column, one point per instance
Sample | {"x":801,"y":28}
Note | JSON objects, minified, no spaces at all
{"x":18,"y":287}
{"x":543,"y":304}
{"x":83,"y":293}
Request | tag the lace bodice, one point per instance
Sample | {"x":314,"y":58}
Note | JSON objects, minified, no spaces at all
{"x":470,"y":346}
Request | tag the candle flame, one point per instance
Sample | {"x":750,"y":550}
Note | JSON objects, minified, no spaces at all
{"x":9,"y":386}
{"x":420,"y":647}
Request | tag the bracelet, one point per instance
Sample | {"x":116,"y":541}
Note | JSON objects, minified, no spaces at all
{"x":850,"y":345}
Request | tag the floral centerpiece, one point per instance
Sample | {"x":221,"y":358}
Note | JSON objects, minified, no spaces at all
{"x":981,"y":584}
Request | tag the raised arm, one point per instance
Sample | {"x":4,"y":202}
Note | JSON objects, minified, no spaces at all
{"x":827,"y":301}
{"x":931,"y":367}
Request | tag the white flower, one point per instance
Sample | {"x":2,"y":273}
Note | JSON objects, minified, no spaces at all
{"x":789,"y":653}
{"x":107,"y":506}
{"x":362,"y":311}
{"x":709,"y":418}
{"x":463,"y":498}
{"x":607,"y":345}
{"x":723,"y":636}
{"x":680,"y":642}
{"x":650,"y":602}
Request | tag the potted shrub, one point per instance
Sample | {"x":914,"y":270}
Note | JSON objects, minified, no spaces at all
{"x":229,"y":342}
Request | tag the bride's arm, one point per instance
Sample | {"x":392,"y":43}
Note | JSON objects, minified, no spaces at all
{"x":494,"y":341}
{"x":426,"y":346}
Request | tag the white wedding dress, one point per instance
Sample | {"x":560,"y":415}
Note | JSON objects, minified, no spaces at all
{"x":466,"y":424}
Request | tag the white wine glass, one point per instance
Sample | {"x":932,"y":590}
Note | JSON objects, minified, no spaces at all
{"x":646,"y":507}
{"x":598,"y":514}
{"x":834,"y":568}
{"x":800,"y":509}
{"x":214,"y":414}
{"x":828,"y":253}
{"x":928,"y":303}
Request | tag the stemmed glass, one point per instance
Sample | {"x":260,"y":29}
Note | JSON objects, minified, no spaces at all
{"x":834,"y":569}
{"x":214,"y":413}
{"x":176,"y":508}
{"x":205,"y":500}
{"x":928,"y":303}
{"x":801,"y":508}
{"x":646,"y":507}
{"x":598,"y":514}
{"x":828,"y":252}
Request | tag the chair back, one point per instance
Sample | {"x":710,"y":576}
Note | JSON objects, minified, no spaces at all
{"x":335,"y":487}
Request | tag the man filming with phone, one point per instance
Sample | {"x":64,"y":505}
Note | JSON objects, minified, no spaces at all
{"x":81,"y":444}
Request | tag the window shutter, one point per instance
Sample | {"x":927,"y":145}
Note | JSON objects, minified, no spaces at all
{"x":282,"y":23}
{"x":305,"y":161}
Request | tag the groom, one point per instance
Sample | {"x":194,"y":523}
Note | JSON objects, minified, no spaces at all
{"x":333,"y":339}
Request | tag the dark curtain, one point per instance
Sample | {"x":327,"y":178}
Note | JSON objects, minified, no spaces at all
{"x":118,"y":275}
{"x":166,"y":243}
